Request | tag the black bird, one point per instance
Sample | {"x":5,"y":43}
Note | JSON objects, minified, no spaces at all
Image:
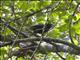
{"x":41,"y":28}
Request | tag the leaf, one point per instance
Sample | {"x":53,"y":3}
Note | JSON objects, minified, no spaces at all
{"x":75,"y":41}
{"x":7,"y":31}
{"x":76,"y":28}
{"x":63,"y":27}
{"x":78,"y":16}
{"x":70,"y":57}
{"x":54,"y":33}
{"x":2,"y":51}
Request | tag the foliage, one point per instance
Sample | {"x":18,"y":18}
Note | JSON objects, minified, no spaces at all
{"x":21,"y":15}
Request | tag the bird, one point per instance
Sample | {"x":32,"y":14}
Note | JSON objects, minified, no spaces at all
{"x":41,"y":28}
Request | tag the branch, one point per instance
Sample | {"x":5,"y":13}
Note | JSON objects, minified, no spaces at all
{"x":47,"y":7}
{"x":47,"y":48}
{"x":70,"y":23}
{"x":13,"y":29}
{"x":48,"y":40}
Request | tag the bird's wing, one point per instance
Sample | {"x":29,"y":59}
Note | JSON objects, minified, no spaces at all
{"x":38,"y":26}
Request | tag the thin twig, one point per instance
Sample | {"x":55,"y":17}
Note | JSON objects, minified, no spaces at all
{"x":70,"y":23}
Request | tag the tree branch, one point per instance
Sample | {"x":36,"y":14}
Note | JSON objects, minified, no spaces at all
{"x":48,"y":40}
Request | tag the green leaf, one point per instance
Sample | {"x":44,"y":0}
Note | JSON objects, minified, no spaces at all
{"x":7,"y":31}
{"x":70,"y":57}
{"x":63,"y":27}
{"x":54,"y":33}
{"x":3,"y":51}
{"x":76,"y":28}
{"x":75,"y":41}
